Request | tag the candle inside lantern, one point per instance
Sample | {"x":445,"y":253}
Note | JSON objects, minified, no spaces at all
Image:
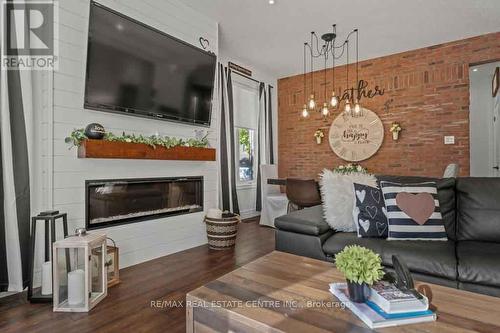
{"x":76,"y":287}
{"x":47,"y":278}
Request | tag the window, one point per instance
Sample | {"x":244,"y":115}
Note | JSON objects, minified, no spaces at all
{"x":246,"y":111}
{"x":246,"y":155}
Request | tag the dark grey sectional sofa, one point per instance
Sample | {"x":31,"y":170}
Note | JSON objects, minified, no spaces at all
{"x":469,"y":260}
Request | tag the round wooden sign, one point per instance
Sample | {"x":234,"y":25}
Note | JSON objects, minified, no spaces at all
{"x":356,"y":139}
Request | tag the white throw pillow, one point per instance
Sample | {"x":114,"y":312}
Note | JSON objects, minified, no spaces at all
{"x":337,"y":194}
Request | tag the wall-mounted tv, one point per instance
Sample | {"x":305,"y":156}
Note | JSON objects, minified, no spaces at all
{"x":137,"y":70}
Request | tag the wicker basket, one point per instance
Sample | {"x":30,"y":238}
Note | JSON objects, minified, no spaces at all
{"x":222,"y":232}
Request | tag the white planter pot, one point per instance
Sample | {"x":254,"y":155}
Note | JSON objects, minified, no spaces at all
{"x":395,"y":136}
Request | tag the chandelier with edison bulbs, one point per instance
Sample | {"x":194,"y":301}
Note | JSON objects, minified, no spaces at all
{"x":329,"y":50}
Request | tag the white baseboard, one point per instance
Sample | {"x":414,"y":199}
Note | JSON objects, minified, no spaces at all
{"x":248,"y":214}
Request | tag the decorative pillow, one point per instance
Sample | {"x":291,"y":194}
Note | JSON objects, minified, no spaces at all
{"x":338,"y":199}
{"x":413,"y":211}
{"x":369,"y":211}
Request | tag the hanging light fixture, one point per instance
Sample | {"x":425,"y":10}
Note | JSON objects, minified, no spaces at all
{"x":334,"y":101}
{"x":328,"y":49}
{"x":305,"y":112}
{"x":347,"y":108}
{"x":324,"y":111}
{"x":312,"y":102}
{"x":357,"y":108}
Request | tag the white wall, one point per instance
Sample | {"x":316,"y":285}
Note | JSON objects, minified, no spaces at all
{"x":481,"y":120}
{"x":66,"y":173}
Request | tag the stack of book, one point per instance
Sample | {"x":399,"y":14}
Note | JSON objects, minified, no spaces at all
{"x":386,"y":306}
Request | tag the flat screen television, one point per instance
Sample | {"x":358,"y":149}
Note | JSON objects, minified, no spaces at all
{"x":135,"y":69}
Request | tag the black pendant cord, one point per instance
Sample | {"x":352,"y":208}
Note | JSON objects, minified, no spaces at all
{"x":324,"y":82}
{"x":347,"y":67}
{"x":344,"y":45}
{"x":331,"y":47}
{"x":357,"y":58}
{"x":317,"y":43}
{"x":327,"y":48}
{"x":333,"y":58}
{"x":305,"y":75}
{"x":333,"y":73}
{"x":312,"y":64}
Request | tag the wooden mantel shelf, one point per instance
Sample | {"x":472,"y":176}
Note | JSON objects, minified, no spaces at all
{"x":124,"y":150}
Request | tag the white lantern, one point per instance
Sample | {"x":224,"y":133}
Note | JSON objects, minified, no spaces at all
{"x":80,"y":282}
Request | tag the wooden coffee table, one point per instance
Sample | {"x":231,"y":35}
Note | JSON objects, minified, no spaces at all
{"x":281,"y":292}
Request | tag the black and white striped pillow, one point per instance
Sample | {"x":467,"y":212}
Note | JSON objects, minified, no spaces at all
{"x":401,"y":225}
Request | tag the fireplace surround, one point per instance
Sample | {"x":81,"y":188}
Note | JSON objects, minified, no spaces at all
{"x":119,"y":201}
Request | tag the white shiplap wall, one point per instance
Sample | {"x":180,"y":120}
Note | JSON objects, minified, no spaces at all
{"x":142,"y":241}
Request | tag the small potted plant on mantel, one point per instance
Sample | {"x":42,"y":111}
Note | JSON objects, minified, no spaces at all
{"x":362,"y":268}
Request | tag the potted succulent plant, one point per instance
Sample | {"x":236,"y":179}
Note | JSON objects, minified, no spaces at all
{"x":362,"y":268}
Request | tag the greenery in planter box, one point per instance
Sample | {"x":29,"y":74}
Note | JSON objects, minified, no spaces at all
{"x":78,"y":136}
{"x":359,"y":265}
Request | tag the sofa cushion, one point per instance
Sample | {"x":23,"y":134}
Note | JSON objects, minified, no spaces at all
{"x":369,"y":212}
{"x":337,"y":195}
{"x":478,"y":262}
{"x":425,"y":257}
{"x":446,"y":196}
{"x":478,"y":209}
{"x":339,"y":240}
{"x":308,"y":221}
{"x":413,"y":211}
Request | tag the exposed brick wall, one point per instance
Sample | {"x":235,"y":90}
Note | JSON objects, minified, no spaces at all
{"x":429,"y":89}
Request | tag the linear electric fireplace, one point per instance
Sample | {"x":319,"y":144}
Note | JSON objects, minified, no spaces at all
{"x":119,"y":201}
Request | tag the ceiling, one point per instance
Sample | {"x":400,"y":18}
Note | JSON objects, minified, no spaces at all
{"x":271,"y":37}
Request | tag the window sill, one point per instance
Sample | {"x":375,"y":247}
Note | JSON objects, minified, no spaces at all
{"x":246,"y":186}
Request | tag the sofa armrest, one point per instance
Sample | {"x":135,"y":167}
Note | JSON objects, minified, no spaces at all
{"x":307,"y":221}
{"x":302,"y":244}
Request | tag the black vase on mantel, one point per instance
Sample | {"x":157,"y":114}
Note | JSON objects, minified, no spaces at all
{"x":358,"y":292}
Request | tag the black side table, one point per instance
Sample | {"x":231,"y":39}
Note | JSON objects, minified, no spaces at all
{"x":35,"y":296}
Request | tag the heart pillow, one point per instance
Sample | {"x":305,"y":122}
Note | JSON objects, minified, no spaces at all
{"x":413,"y":211}
{"x":417,"y":206}
{"x":369,"y":211}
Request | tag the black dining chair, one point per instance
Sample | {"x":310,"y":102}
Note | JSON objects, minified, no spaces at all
{"x":302,"y":193}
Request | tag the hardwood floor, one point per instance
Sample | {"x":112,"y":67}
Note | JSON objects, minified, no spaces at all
{"x":129,"y":305}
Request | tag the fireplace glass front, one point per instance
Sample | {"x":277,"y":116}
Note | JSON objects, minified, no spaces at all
{"x":111,"y":202}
